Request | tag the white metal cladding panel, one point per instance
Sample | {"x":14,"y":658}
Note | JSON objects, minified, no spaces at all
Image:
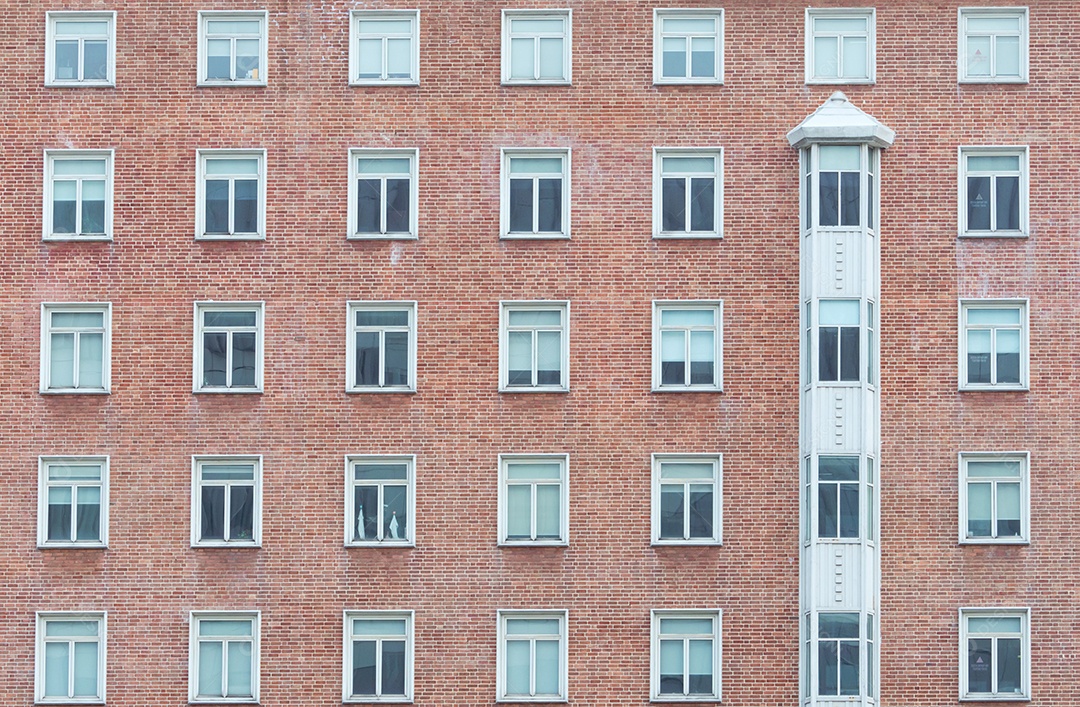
{"x":840,"y":571}
{"x":839,"y":419}
{"x":840,"y":266}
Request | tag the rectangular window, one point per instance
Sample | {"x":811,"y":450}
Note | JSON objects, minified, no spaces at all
{"x":686,"y":499}
{"x":688,"y":46}
{"x":993,"y":498}
{"x":536,"y":46}
{"x":382,"y":193}
{"x":993,"y":45}
{"x":378,"y":656}
{"x":381,"y":354}
{"x":838,"y":654}
{"x":993,"y":191}
{"x":226,"y":504}
{"x":840,"y":45}
{"x":838,"y":340}
{"x":687,"y":346}
{"x":75,"y":347}
{"x":228,"y":347}
{"x":685,"y":656}
{"x":78,"y":202}
{"x":995,"y":654}
{"x":536,"y":194}
{"x":838,"y":497}
{"x":380,"y":496}
{"x":532,"y":656}
{"x":80,"y":49}
{"x":73,"y":501}
{"x":535,"y":346}
{"x":688,"y":194}
{"x":839,"y":175}
{"x":384,"y":49}
{"x":993,"y":345}
{"x":231,"y":199}
{"x":533,"y":499}
{"x":232,"y":48}
{"x":224,"y":657}
{"x":70,"y":666}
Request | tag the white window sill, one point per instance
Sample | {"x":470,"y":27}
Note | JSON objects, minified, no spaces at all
{"x":677,"y":699}
{"x":223,"y":701}
{"x":387,"y":544}
{"x":537,"y":389}
{"x":225,"y":545}
{"x":371,"y":699}
{"x":689,"y":235}
{"x":70,"y":237}
{"x":386,"y":389}
{"x":687,"y":543}
{"x":524,"y":699}
{"x":688,"y":82}
{"x":986,"y":388}
{"x":536,"y":82}
{"x":994,"y":234}
{"x":72,"y":546}
{"x":232,"y":237}
{"x":388,"y":82}
{"x":977,"y":541}
{"x":989,"y":80}
{"x":228,"y":391}
{"x":75,"y":391}
{"x":534,"y":236}
{"x":534,"y":543}
{"x":230,"y":84}
{"x":995,"y":698}
{"x":840,"y":82}
{"x":381,"y":237}
{"x":687,"y":389}
{"x":80,"y":84}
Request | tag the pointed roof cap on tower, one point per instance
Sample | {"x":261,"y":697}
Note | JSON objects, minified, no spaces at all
{"x":839,"y":121}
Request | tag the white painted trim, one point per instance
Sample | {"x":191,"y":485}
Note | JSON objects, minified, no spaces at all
{"x":963,"y":305}
{"x":538,"y":14}
{"x":201,"y":158}
{"x":716,"y":153}
{"x":355,"y":17}
{"x":197,"y":461}
{"x":347,"y":652}
{"x":964,"y":152}
{"x":716,"y":305}
{"x":44,"y":462}
{"x":54,"y":16}
{"x":504,"y":192}
{"x":868,"y":13}
{"x":1025,"y":497}
{"x":564,"y":500}
{"x":58,"y":155}
{"x":505,"y":307}
{"x":350,"y":506}
{"x":105,"y":308}
{"x":717,"y":460}
{"x":1024,"y":614}
{"x":43,"y":617}
{"x":962,"y":13}
{"x":655,"y":616}
{"x":194,"y":617}
{"x":238,"y":15}
{"x":357,"y":153}
{"x":563,"y":617}
{"x":710,"y":13}
{"x":255,"y":306}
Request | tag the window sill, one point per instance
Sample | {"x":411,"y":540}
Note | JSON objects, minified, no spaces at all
{"x":687,"y":543}
{"x":534,"y":543}
{"x":223,"y":701}
{"x":537,"y":389}
{"x":980,"y":541}
{"x":993,"y":234}
{"x":995,"y":698}
{"x":227,"y":391}
{"x":993,"y":389}
{"x":72,"y":546}
{"x":382,"y":544}
{"x":536,"y":82}
{"x":79,"y":84}
{"x":522,"y":699}
{"x":380,"y":391}
{"x":989,"y":80}
{"x":372,"y":699}
{"x":677,"y":699}
{"x":691,"y":236}
{"x":534,"y":236}
{"x":230,"y":237}
{"x":388,"y":82}
{"x":381,"y":237}
{"x":226,"y":545}
{"x":72,"y":237}
{"x":75,"y":391}
{"x":687,"y":82}
{"x":840,"y":82}
{"x":230,"y":84}
{"x":687,"y":389}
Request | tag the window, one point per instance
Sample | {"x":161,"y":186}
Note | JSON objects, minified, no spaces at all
{"x":688,"y":194}
{"x":838,"y":497}
{"x":838,"y":653}
{"x":384,"y":48}
{"x":378,"y":656}
{"x":536,"y":46}
{"x":70,"y":658}
{"x":224,"y":657}
{"x":80,"y":49}
{"x":73,"y":501}
{"x":993,"y":498}
{"x":533,"y":499}
{"x":532,"y":656}
{"x":838,"y":185}
{"x":993,"y":191}
{"x":993,"y":45}
{"x":380,"y":496}
{"x":838,"y":340}
{"x":687,"y":346}
{"x":231,"y":199}
{"x":536,"y":194}
{"x":840,"y":46}
{"x":382,"y":194}
{"x":381,"y":355}
{"x":685,"y":656}
{"x":228,"y":347}
{"x":232,"y":48}
{"x":75,"y":348}
{"x":688,"y":46}
{"x":227,"y":499}
{"x":995,"y":654}
{"x":78,"y":195}
{"x":993,"y":345}
{"x":535,"y":347}
{"x":686,"y":499}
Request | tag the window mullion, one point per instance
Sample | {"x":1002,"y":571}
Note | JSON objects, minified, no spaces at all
{"x":536,"y":57}
{"x":384,"y":70}
{"x":533,"y":494}
{"x":73,"y":530}
{"x":378,"y":666}
{"x":380,"y":501}
{"x":228,"y":358}
{"x":687,"y":185}
{"x":534,"y":363}
{"x":686,"y":356}
{"x":382,"y":357}
{"x":686,"y":511}
{"x":532,"y":667}
{"x":383,"y":205}
{"x":536,"y":198}
{"x":994,"y":664}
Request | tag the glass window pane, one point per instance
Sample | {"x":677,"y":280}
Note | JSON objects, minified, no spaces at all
{"x":536,"y":26}
{"x":983,"y":315}
{"x":91,"y":360}
{"x":547,"y":667}
{"x":213,"y":513}
{"x":59,"y":522}
{"x":1008,"y":356}
{"x":399,"y":58}
{"x":673,"y":358}
{"x":828,"y":199}
{"x":673,"y":206}
{"x":239,"y":666}
{"x":978,"y":56}
{"x":671,"y":668}
{"x":855,"y":58}
{"x":395,"y":512}
{"x":369,"y":206}
{"x":56,"y":669}
{"x":849,"y":198}
{"x":393,"y":668}
{"x":849,"y":353}
{"x":210,"y":665}
{"x":688,"y":25}
{"x":536,"y":166}
{"x":701,"y":511}
{"x":687,"y":470}
{"x":839,"y":24}
{"x":1008,"y":510}
{"x":978,"y":665}
{"x":519,"y":358}
{"x":66,"y":61}
{"x":518,"y":668}
{"x":828,"y":520}
{"x":548,"y":512}
{"x":828,"y":668}
{"x":846,"y":158}
{"x":83,"y":27}
{"x":672,"y":512}
{"x":838,"y":312}
{"x":378,"y":627}
{"x":397,"y":206}
{"x":849,"y":510}
{"x":979,"y":510}
{"x":95,"y":61}
{"x":363,"y":668}
{"x":702,"y":357}
{"x":838,"y":625}
{"x":533,"y":471}
{"x":690,"y":165}
{"x":993,"y":24}
{"x":88,"y":514}
{"x":246,"y":202}
{"x":828,"y":353}
{"x":396,"y":366}
{"x":1007,"y":57}
{"x":72,"y":628}
{"x":534,"y":317}
{"x":217,"y":206}
{"x":233,"y":27}
{"x":702,"y":204}
{"x":1007,"y":193}
{"x":391,"y":471}
{"x":382,"y":318}
{"x":241,"y":512}
{"x":686,"y":627}
{"x":89,"y":167}
{"x":385,"y":27}
{"x":687,"y":317}
{"x":64,"y":206}
{"x":674,"y":57}
{"x":519,"y":511}
{"x":1008,"y":667}
{"x":243,"y":362}
{"x":234,"y":167}
{"x":366,"y":503}
{"x":549,"y":206}
{"x":535,"y":627}
{"x":849,"y":667}
{"x":62,"y":361}
{"x":85,"y":683}
{"x":826,"y":59}
{"x":551,"y":58}
{"x":370,"y":58}
{"x":521,"y":206}
{"x":993,"y":163}
{"x":982,"y":469}
{"x":218,"y":59}
{"x":700,"y":667}
{"x":703,"y":57}
{"x":838,"y":468}
{"x":522,"y":58}
{"x":247,"y":59}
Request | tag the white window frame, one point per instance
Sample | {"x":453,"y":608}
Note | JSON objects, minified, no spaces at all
{"x":64,"y":155}
{"x":51,"y":19}
{"x":659,"y":153}
{"x":965,"y":13}
{"x":563,"y":460}
{"x":409,"y":460}
{"x":206,"y":16}
{"x":717,"y":462}
{"x":1024,"y":614}
{"x":968,"y":304}
{"x":347,"y":695}
{"x":354,"y":306}
{"x":42,"y":618}
{"x":715,"y":14}
{"x":544,"y":614}
{"x":44,"y":485}
{"x":203,"y":156}
{"x":963,"y":153}
{"x":201,"y":307}
{"x":197,"y":463}
{"x":566,"y":16}
{"x":194,"y":620}
{"x":48,"y":308}
{"x":358,"y":153}
{"x":504,"y":345}
{"x":355,"y":18}
{"x":1023,"y":458}
{"x":656,"y":615}
{"x":504,"y":200}
{"x":659,"y":306}
{"x":867,"y":13}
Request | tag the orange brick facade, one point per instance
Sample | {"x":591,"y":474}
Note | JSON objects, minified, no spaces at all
{"x":456,"y":579}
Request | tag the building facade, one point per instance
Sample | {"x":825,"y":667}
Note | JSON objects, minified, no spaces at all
{"x":604,"y":353}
